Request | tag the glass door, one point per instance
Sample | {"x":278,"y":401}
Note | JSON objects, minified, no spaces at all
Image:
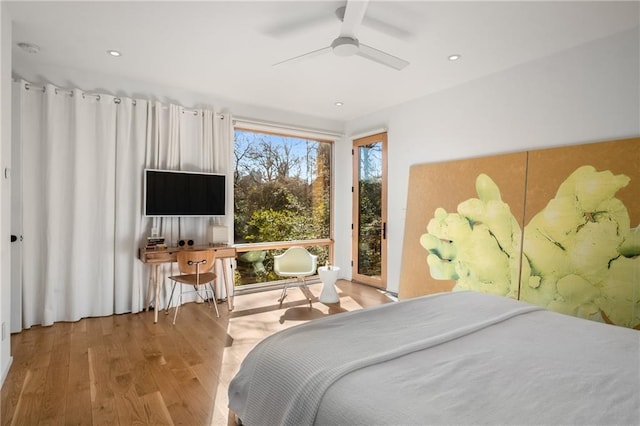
{"x":369,"y":236}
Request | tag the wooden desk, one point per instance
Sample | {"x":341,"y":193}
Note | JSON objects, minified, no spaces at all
{"x":155,"y":258}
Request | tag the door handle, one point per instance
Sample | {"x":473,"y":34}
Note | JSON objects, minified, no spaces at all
{"x":384,"y":230}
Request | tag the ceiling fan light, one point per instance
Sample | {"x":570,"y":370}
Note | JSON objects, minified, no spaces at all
{"x":345,"y":46}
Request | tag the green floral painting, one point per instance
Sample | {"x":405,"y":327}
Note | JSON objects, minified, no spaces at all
{"x":579,"y":255}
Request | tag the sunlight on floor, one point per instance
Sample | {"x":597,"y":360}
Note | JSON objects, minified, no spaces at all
{"x":257,"y":316}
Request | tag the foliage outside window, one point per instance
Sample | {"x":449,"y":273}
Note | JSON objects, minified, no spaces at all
{"x":370,"y":210}
{"x":282,"y":192}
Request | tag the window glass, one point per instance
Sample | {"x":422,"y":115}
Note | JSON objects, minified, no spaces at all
{"x":282,"y":192}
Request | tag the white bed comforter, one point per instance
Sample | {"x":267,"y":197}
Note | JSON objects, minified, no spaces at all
{"x":451,"y":358}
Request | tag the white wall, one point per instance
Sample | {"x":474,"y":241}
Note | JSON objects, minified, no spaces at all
{"x":586,"y":94}
{"x":5,"y":194}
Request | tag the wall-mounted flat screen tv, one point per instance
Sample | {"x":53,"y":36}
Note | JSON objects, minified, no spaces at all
{"x":179,"y":193}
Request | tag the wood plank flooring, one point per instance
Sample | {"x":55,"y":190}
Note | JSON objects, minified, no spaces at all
{"x":124,"y":369}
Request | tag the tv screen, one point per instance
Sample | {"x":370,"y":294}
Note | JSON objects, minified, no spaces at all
{"x":177,"y":193}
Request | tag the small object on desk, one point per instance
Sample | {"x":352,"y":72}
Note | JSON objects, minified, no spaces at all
{"x":218,"y":235}
{"x":155,"y":243}
{"x":157,"y":247}
{"x":328,"y":276}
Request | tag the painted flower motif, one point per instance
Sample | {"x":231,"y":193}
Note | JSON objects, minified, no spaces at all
{"x":579,"y":256}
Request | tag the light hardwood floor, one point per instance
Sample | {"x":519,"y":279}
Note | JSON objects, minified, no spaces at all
{"x":124,"y":369}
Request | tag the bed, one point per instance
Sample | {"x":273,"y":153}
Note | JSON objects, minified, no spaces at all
{"x":448,"y":358}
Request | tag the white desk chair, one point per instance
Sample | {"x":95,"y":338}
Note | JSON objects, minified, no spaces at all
{"x":295,"y":262}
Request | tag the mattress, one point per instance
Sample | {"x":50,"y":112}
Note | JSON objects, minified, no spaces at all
{"x":449,"y":358}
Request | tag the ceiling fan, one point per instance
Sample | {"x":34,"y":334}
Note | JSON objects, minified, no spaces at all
{"x":347,"y":44}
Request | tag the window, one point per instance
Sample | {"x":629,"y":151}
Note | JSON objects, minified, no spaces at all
{"x":282,"y":193}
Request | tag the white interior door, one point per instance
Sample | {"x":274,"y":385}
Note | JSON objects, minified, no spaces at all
{"x":5,"y":218}
{"x":15,"y":201}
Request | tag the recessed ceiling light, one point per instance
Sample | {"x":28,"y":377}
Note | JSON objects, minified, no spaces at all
{"x":29,"y":47}
{"x":454,"y":57}
{"x":114,"y":53}
{"x":339,"y":104}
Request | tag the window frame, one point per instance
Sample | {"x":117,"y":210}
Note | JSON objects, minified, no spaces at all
{"x":323,"y":137}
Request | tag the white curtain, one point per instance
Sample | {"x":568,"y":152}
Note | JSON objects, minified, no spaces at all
{"x":189,"y":140}
{"x":82,"y":166}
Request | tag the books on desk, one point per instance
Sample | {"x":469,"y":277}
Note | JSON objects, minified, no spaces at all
{"x":155,"y":243}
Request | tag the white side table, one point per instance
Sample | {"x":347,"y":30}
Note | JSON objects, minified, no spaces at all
{"x":328,"y":276}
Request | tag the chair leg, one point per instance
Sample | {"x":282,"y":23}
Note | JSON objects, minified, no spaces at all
{"x":166,"y":311}
{"x":215,"y":303}
{"x":284,"y":293}
{"x":305,"y":290}
{"x":175,"y":315}
{"x":206,"y":293}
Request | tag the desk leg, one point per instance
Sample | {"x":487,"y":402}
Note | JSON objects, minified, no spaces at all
{"x":156,"y":306}
{"x":228,"y":282}
{"x":147,"y":304}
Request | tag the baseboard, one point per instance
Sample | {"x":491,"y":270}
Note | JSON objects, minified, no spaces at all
{"x":5,"y":372}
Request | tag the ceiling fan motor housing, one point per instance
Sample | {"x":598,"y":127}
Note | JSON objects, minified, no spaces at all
{"x":345,"y":46}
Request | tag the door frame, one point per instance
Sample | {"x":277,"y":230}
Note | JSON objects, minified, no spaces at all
{"x":380,"y":282}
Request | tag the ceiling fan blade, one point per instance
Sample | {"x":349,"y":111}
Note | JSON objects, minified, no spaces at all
{"x":381,"y":57}
{"x":306,"y":55}
{"x":353,"y":15}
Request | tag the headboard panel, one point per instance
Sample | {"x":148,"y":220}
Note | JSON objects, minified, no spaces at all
{"x":558,"y":227}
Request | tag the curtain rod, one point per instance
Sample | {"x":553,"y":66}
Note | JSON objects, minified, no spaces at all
{"x":253,"y":122}
{"x":116,"y":99}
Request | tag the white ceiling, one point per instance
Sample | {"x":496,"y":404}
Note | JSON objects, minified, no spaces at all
{"x":226,"y":49}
